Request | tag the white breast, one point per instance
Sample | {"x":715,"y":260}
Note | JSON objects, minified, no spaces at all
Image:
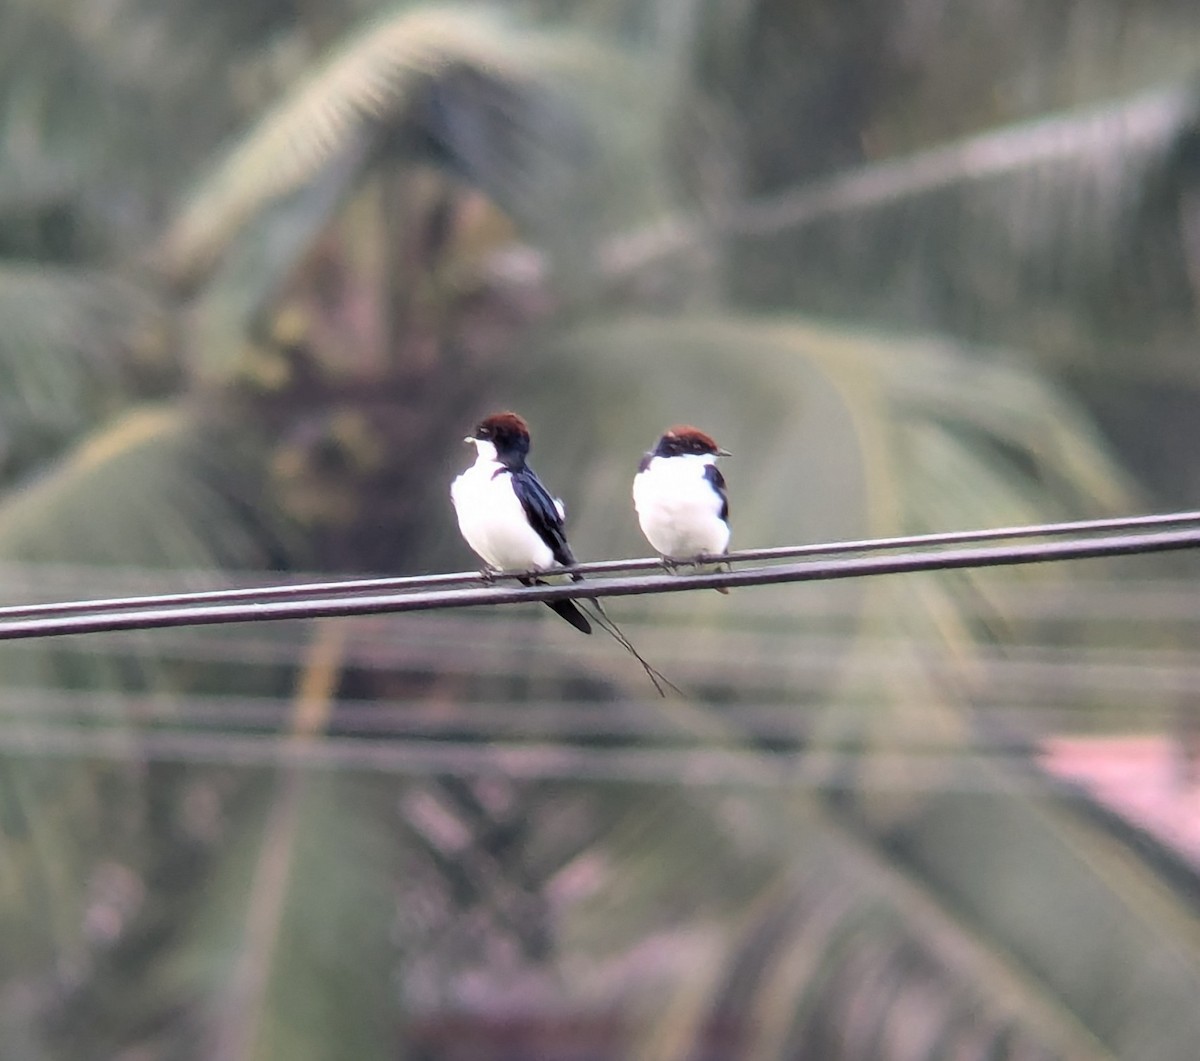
{"x":678,"y":509}
{"x":493,"y":522}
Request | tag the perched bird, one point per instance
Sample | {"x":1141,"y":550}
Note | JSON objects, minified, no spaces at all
{"x":680,"y":497}
{"x":505,"y":513}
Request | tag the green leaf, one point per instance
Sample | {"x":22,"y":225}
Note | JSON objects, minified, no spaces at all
{"x":75,"y":346}
{"x":161,"y":487}
{"x":841,"y":431}
{"x":291,"y":950}
{"x":94,"y":848}
{"x":1060,"y":236}
{"x":816,"y":411}
{"x":460,"y":87}
{"x":555,"y":130}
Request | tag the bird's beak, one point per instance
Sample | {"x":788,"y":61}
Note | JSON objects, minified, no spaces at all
{"x":470,"y":439}
{"x":724,"y":453}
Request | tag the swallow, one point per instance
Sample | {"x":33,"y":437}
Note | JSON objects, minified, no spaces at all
{"x":508,"y":518}
{"x":681,"y":499}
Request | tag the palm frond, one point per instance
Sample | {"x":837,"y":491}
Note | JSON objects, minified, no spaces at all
{"x":321,"y":885}
{"x":326,"y":990}
{"x":831,"y":418}
{"x":808,"y":947}
{"x":162,"y":486}
{"x":1061,"y":236}
{"x":849,"y":431}
{"x":103,"y":120}
{"x":75,"y":346}
{"x":457,"y":87}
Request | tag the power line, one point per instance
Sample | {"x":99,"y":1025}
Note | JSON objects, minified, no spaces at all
{"x":694,"y":766}
{"x":148,"y":613}
{"x":304,"y":590}
{"x":402,"y":722}
{"x":1038,"y":530}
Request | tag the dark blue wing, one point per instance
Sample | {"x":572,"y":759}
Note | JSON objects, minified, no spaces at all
{"x":717,"y":481}
{"x":542,"y":513}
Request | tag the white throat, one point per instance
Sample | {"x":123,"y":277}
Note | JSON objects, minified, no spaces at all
{"x":691,"y":460}
{"x":485,"y":451}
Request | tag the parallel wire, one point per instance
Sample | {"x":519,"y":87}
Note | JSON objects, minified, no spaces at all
{"x":697,"y":765}
{"x":402,"y":722}
{"x":147,"y":613}
{"x":526,"y":754}
{"x":1056,"y":673}
{"x":255,"y":595}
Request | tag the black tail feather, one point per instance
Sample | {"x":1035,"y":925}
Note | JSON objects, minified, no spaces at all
{"x":569,"y":611}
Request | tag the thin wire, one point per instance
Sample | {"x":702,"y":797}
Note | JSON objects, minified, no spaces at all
{"x":799,"y":660}
{"x":571,"y":720}
{"x":304,"y":590}
{"x":138,"y":618}
{"x":917,"y":541}
{"x":257,"y":594}
{"x":701,"y":767}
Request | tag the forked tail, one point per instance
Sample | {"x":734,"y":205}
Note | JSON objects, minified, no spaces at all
{"x":573,"y":612}
{"x":660,"y":681}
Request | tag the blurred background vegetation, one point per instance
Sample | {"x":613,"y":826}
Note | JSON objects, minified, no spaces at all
{"x":921,"y":266}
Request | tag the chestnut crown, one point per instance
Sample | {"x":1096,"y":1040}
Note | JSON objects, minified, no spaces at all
{"x":506,"y":431}
{"x":683,"y":439}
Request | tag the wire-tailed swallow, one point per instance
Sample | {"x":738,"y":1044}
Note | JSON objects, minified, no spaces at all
{"x":680,"y":496}
{"x":505,"y":513}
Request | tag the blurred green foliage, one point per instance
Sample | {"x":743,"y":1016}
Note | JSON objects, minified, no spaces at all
{"x":921,"y":266}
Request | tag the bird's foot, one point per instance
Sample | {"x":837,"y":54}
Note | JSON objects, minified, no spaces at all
{"x":724,"y":565}
{"x":487,"y":576}
{"x":715,"y":564}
